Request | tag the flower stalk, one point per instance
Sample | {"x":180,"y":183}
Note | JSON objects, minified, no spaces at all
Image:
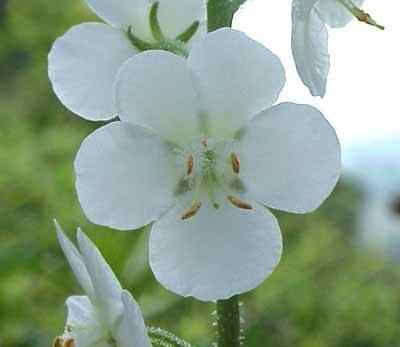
{"x":228,"y":319}
{"x":220,"y":13}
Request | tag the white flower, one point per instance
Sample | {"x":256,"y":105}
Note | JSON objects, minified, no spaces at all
{"x":310,"y":36}
{"x":199,"y":152}
{"x":84,"y":62}
{"x":107,"y":316}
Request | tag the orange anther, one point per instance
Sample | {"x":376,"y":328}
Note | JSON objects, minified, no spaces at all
{"x":190,"y":164}
{"x":58,"y":342}
{"x":69,"y":343}
{"x":235,"y":163}
{"x":239,"y":203}
{"x":189,"y":213}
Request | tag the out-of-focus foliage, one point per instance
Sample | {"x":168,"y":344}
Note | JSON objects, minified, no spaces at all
{"x":326,"y":292}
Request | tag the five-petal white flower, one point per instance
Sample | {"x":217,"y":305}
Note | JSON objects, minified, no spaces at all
{"x":310,"y":37}
{"x":200,"y":152}
{"x":84,"y":62}
{"x":107,"y":316}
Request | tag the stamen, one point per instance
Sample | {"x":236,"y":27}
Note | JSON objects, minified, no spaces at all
{"x":190,"y":164}
{"x":58,"y":342}
{"x":360,"y":14}
{"x":69,"y":343}
{"x":192,"y":211}
{"x":239,"y":203}
{"x":366,"y":18}
{"x":235,"y":163}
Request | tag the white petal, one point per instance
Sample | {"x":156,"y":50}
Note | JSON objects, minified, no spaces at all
{"x":155,"y":89}
{"x":75,"y":260}
{"x":124,"y":176}
{"x":290,"y":158}
{"x":176,"y":16}
{"x":237,"y":77}
{"x":334,"y":13}
{"x":83,"y":323}
{"x":80,"y":311}
{"x":122,"y":13}
{"x":83,"y":65}
{"x":132,"y":331}
{"x":217,"y":253}
{"x":106,"y":286}
{"x":310,"y":47}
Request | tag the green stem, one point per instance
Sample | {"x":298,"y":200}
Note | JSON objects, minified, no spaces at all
{"x":220,"y":13}
{"x":228,"y":317}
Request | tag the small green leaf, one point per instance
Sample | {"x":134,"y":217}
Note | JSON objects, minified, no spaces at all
{"x":189,"y":32}
{"x":164,"y":338}
{"x":154,"y":23}
{"x":138,"y":43}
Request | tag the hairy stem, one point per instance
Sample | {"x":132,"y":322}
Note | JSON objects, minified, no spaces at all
{"x":228,"y":317}
{"x":219,"y":15}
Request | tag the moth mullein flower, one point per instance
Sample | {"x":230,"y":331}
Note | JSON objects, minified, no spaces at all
{"x":310,"y":19}
{"x":200,"y":152}
{"x":83,"y":63}
{"x":107,"y":315}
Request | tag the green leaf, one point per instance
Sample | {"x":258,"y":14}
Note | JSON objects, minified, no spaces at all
{"x":164,"y":338}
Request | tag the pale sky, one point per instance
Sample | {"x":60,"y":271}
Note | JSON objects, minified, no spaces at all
{"x":363,"y":96}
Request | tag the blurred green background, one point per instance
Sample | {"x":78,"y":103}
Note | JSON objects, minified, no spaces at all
{"x":328,"y":290}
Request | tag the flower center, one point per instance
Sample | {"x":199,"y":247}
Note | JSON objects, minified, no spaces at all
{"x":211,"y":171}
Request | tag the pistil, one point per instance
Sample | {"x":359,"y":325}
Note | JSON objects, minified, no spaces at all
{"x":212,"y":184}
